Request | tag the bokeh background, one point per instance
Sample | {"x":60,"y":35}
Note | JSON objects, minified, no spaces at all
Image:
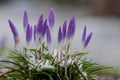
{"x":102,"y":17}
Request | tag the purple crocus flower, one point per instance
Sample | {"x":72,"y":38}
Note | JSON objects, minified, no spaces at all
{"x":25,"y":20}
{"x":59,"y":35}
{"x":84,"y":34}
{"x":64,"y":29}
{"x":51,"y":18}
{"x":71,"y":28}
{"x":28,"y":33}
{"x":48,"y":35}
{"x":43,"y":31}
{"x":87,"y":40}
{"x":40,"y":20}
{"x":40,"y":24}
{"x":14,"y":31}
{"x":39,"y":30}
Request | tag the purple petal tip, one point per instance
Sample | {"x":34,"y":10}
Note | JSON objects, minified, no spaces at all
{"x":48,"y":35}
{"x":71,"y":28}
{"x":87,"y":40}
{"x":40,"y":20}
{"x":44,"y":27}
{"x":14,"y":31}
{"x":84,"y":34}
{"x":25,"y":20}
{"x":51,"y":18}
{"x":64,"y":29}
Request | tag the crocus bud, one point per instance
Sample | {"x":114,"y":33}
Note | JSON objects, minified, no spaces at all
{"x":40,"y":25}
{"x":40,"y":21}
{"x":59,"y":35}
{"x":84,"y":34}
{"x":29,"y":34}
{"x":71,"y":28}
{"x":43,"y":31}
{"x":48,"y":35}
{"x":87,"y":40}
{"x":25,"y":20}
{"x":64,"y":29}
{"x":14,"y":31}
{"x":51,"y":18}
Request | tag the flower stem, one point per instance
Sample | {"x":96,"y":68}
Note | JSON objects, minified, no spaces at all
{"x":66,"y":54}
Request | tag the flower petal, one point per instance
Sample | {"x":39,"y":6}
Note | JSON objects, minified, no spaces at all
{"x":51,"y":18}
{"x":84,"y":34}
{"x":15,"y":33}
{"x":59,"y":35}
{"x":40,"y":24}
{"x":64,"y":29}
{"x":25,"y":20}
{"x":48,"y":35}
{"x":13,"y":29}
{"x":28,"y":33}
{"x":71,"y":28}
{"x":87,"y":40}
{"x":40,"y":20}
{"x":43,"y":31}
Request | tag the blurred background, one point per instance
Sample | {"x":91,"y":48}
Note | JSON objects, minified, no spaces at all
{"x":102,"y":17}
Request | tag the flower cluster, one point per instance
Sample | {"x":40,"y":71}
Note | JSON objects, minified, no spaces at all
{"x":28,"y":63}
{"x":38,"y":31}
{"x":43,"y":28}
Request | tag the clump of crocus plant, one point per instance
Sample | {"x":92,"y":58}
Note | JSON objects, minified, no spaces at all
{"x":42,"y":63}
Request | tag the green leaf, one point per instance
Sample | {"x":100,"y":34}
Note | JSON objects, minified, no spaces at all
{"x":16,"y":64}
{"x":80,"y":54}
{"x":95,"y":69}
